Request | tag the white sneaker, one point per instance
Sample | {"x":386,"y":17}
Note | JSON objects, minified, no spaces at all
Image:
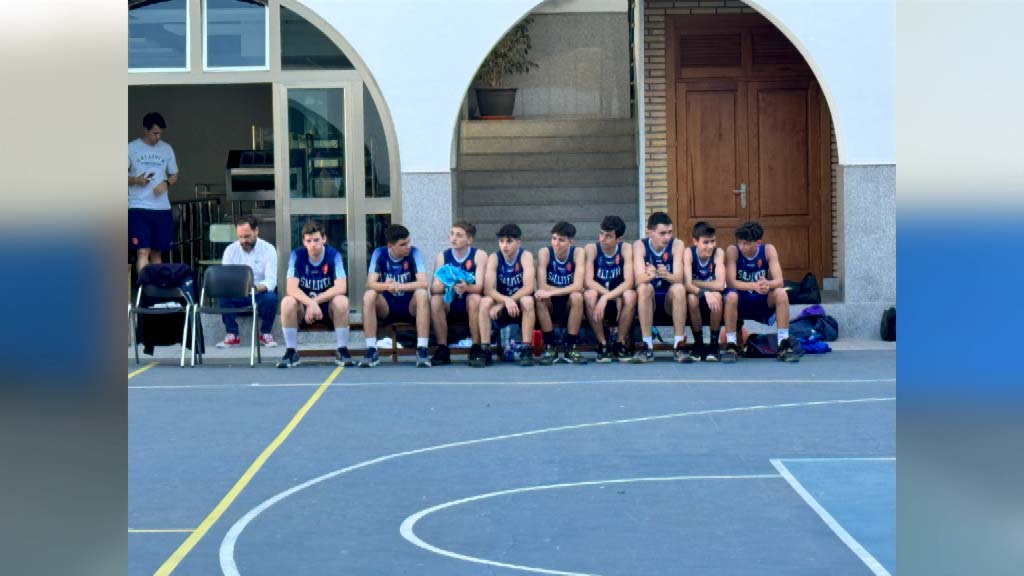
{"x":267,"y":340}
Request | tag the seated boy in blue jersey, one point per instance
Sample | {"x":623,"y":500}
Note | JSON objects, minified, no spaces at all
{"x":704,"y":269}
{"x":660,"y":288}
{"x":561,"y":273}
{"x":508,"y":289}
{"x":467,"y":296}
{"x":755,"y":290}
{"x":316,"y":288}
{"x":609,"y":293}
{"x":396,"y":291}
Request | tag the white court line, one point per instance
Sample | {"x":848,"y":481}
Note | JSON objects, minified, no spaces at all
{"x":842,"y":459}
{"x":407,"y":529}
{"x":227,"y":546}
{"x":874,"y":565}
{"x":492,"y":383}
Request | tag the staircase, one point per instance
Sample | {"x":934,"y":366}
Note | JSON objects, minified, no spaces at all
{"x":535,"y":172}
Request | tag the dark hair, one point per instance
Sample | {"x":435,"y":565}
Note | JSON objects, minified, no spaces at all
{"x":658,"y":218}
{"x":395,"y":233}
{"x":250,"y":220}
{"x":564,"y":229}
{"x":703,"y":230}
{"x":749,"y":231}
{"x":469,"y":228}
{"x":312,"y":227}
{"x":510,"y":231}
{"x":153,"y":118}
{"x":614,"y":224}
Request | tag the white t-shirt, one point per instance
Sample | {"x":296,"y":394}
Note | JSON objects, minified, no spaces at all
{"x":262,"y":259}
{"x":158,"y":159}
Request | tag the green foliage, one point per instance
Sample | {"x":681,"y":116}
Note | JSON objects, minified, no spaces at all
{"x":508,"y":57}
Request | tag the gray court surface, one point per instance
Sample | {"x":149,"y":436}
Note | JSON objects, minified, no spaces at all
{"x":599,"y":469}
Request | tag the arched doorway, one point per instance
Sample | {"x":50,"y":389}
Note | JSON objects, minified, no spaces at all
{"x":271,"y":112}
{"x":737,"y":128}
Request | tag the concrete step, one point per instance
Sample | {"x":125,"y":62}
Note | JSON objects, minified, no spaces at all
{"x":525,"y":145}
{"x":548,"y":195}
{"x":553,"y":161}
{"x":548,"y":213}
{"x":518,"y":179}
{"x":541,"y":127}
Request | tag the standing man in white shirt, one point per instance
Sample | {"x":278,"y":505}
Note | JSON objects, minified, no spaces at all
{"x":261,"y":256}
{"x":152,"y":170}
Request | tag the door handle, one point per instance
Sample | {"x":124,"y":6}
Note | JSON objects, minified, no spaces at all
{"x":743,"y":194}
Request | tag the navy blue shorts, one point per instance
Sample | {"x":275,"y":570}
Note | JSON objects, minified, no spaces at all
{"x":398,"y":308}
{"x":152,"y":229}
{"x":457,"y":308}
{"x":753,"y":306}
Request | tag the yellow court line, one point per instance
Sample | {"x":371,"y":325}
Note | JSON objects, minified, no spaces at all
{"x":141,"y":370}
{"x":178,"y":555}
{"x":159,"y":530}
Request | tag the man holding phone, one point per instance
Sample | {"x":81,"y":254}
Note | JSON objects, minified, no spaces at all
{"x":152,"y":169}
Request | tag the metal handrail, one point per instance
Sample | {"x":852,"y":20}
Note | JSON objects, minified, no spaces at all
{"x":192,"y":219}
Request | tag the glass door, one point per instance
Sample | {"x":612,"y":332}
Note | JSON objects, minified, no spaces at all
{"x":320,"y":127}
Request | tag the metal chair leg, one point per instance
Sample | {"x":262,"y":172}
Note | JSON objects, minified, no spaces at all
{"x":184,"y":335}
{"x":195,"y":346}
{"x":135,"y":337}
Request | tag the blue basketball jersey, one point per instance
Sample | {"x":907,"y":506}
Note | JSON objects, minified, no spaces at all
{"x":510,"y":274}
{"x":703,"y":271}
{"x":401,"y":271}
{"x":560,"y":274}
{"x":314,"y":279}
{"x":655,"y":258}
{"x":608,"y":269}
{"x":468,"y":263}
{"x":751,"y":269}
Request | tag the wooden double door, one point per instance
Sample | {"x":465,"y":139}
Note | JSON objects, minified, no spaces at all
{"x":749,"y":139}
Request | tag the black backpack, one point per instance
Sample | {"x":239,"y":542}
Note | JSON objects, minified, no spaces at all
{"x":888,"y":328}
{"x":804,"y":292}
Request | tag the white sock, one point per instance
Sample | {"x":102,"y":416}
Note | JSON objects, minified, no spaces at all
{"x":783,"y":333}
{"x":649,"y":340}
{"x":677,"y":339}
{"x":371,"y":343}
{"x":730,"y":337}
{"x":291,"y":337}
{"x":341,"y":336}
{"x":422,"y":342}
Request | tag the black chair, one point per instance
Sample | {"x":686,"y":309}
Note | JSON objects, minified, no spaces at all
{"x":160,"y":297}
{"x":226,"y":281}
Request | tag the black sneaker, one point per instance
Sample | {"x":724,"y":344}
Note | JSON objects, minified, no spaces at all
{"x":731,"y":353}
{"x":525,"y":356}
{"x":683,"y":355}
{"x":786,"y":352}
{"x":343,"y":358}
{"x":291,"y":358}
{"x":548,"y":356}
{"x":711,"y":353}
{"x":481,"y":358}
{"x":422,"y":357}
{"x":642,"y":355}
{"x":573,"y":356}
{"x":699,"y":350}
{"x":371,"y":359}
{"x":442,"y":356}
{"x":604,"y":356}
{"x":620,"y":352}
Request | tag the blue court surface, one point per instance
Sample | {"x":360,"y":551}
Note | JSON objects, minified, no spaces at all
{"x":754,"y":468}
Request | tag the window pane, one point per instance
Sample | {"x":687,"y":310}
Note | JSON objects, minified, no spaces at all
{"x":236,"y":33}
{"x":305,"y":47}
{"x":375,"y":150}
{"x":334,"y":226}
{"x":375,"y":226}
{"x":316,"y":120}
{"x":157,"y":34}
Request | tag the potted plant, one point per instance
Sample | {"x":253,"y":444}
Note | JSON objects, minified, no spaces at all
{"x":508,"y":57}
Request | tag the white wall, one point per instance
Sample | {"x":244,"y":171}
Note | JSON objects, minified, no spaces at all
{"x":424,"y":53}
